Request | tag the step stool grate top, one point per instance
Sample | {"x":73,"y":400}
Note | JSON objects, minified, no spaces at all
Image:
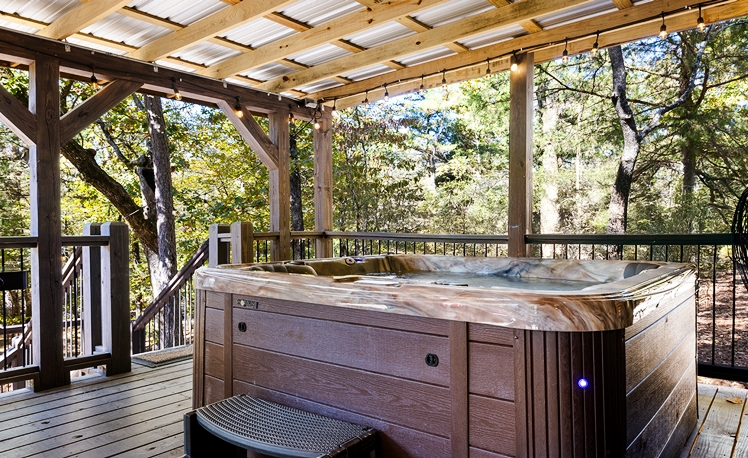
{"x":276,"y":429}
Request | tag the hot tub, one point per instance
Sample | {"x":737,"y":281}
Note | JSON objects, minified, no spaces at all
{"x":460,"y":356}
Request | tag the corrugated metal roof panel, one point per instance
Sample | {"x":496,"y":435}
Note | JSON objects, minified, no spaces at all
{"x":315,"y":12}
{"x":19,"y":27}
{"x":133,"y":32}
{"x":39,"y":10}
{"x":268,"y":72}
{"x":259,"y":32}
{"x":206,"y":53}
{"x":368,"y":72}
{"x":585,"y":10}
{"x":494,"y":36}
{"x":425,"y":56}
{"x":377,"y":36}
{"x":100,"y":47}
{"x":180,"y":11}
{"x":452,"y":11}
{"x":174,"y":65}
{"x":319,"y":55}
{"x":320,"y":86}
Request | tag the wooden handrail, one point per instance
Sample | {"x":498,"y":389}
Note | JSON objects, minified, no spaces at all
{"x":449,"y":238}
{"x":184,"y":274}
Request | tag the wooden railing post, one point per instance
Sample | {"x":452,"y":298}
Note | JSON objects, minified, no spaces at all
{"x":242,"y":241}
{"x":218,"y":251}
{"x":91,"y":292}
{"x":115,"y":297}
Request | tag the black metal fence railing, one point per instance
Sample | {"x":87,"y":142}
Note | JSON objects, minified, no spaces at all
{"x":366,"y":243}
{"x":16,"y":312}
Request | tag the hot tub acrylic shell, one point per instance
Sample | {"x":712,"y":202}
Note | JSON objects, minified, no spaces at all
{"x":363,"y":349}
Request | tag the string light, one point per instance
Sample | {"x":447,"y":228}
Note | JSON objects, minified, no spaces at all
{"x":565,"y":55}
{"x":238,"y":109}
{"x":94,"y":81}
{"x":700,"y":21}
{"x":386,"y":93}
{"x":596,"y":46}
{"x":366,"y":99}
{"x":334,"y":103}
{"x":444,"y":77}
{"x":280,"y":97}
{"x":663,"y":27}
{"x":488,"y":68}
{"x":177,"y":95}
{"x":513,"y":62}
{"x":420,"y":89}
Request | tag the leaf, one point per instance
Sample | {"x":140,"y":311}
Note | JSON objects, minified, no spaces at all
{"x":735,"y":400}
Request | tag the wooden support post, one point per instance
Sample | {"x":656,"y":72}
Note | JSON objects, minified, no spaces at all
{"x":218,"y":251}
{"x":520,"y":154}
{"x":46,"y":259}
{"x":91,"y":292}
{"x":115,"y":297}
{"x":242,"y":241}
{"x":280,"y":187}
{"x":323,"y":185}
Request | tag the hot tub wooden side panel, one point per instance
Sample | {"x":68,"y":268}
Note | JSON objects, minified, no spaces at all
{"x":661,"y":383}
{"x":554,"y":415}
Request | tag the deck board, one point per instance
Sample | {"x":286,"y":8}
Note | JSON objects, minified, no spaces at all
{"x":134,"y":414}
{"x":140,"y":415}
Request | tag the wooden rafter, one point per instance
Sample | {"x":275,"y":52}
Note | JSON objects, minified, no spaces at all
{"x":453,"y":31}
{"x":17,"y":117}
{"x":253,"y":134}
{"x":210,"y":26}
{"x":328,"y":32}
{"x":409,"y":79}
{"x":81,"y":17}
{"x":529,"y":24}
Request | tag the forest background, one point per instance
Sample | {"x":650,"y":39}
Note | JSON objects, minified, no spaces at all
{"x":437,"y":162}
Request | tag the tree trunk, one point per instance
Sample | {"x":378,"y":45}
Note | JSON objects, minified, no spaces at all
{"x":297,"y":213}
{"x":164,"y":209}
{"x":619,"y":198}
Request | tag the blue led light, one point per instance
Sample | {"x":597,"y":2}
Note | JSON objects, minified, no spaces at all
{"x":583,"y":383}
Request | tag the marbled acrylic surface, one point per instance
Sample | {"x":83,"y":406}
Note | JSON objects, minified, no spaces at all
{"x":620,"y":292}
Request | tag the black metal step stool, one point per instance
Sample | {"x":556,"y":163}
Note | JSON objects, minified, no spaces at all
{"x":233,"y":425}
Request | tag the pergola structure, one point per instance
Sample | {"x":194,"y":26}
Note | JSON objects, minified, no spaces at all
{"x":280,"y":57}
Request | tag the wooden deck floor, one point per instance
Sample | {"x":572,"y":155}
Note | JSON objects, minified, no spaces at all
{"x":136,"y":415}
{"x":140,"y":415}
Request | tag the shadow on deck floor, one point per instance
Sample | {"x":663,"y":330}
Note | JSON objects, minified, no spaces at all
{"x":140,"y":415}
{"x":135,"y":415}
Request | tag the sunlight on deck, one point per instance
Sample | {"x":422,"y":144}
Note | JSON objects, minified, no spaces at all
{"x":135,"y":414}
{"x":140,"y":414}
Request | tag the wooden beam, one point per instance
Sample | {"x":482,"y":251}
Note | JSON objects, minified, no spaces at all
{"x":323,"y":184}
{"x":408,"y":79}
{"x":215,"y":24}
{"x":280,"y":187}
{"x":623,"y":4}
{"x":17,"y":117}
{"x":94,"y":107}
{"x":324,"y":33}
{"x":81,"y":17}
{"x":453,"y":31}
{"x":418,"y":26}
{"x":289,"y":22}
{"x":521,"y":88}
{"x":46,"y":262}
{"x":253,"y":134}
{"x":78,"y":61}
{"x":529,"y":25}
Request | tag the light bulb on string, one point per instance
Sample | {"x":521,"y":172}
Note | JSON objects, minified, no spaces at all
{"x":386,"y":93}
{"x":444,"y":77}
{"x":94,"y":80}
{"x":177,"y":95}
{"x":565,"y":55}
{"x":700,"y":21}
{"x":366,"y":98}
{"x":663,"y":27}
{"x":488,"y":68}
{"x":316,"y":123}
{"x":596,"y":45}
{"x":238,"y":109}
{"x":421,"y":89}
{"x":334,"y":103}
{"x":513,"y":62}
